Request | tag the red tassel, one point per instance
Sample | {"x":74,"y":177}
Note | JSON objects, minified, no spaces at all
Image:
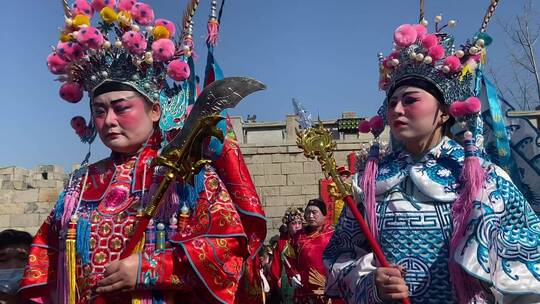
{"x":213,"y":32}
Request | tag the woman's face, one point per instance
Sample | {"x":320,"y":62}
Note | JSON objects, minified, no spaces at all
{"x":294,"y":226}
{"x":414,"y":114}
{"x":124,"y":120}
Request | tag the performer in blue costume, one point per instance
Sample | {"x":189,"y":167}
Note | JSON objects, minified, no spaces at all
{"x":454,"y":224}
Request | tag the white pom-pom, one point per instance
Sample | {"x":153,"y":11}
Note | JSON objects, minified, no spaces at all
{"x":424,"y":22}
{"x":473,"y":50}
{"x":74,"y":218}
{"x":149,"y":29}
{"x":149,"y":60}
{"x":419,"y":57}
{"x":460,"y":54}
{"x":438,"y":18}
{"x":412,"y":56}
{"x":104,"y":74}
{"x":452,"y":23}
{"x":446,"y":69}
{"x":135,"y":27}
{"x":69,"y":21}
{"x":428,"y":60}
{"x":106,"y":45}
{"x":394,"y":62}
{"x":148,"y":55}
{"x":118,"y":44}
{"x":480,"y":43}
{"x":160,"y":226}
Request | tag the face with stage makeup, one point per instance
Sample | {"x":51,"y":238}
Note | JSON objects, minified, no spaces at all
{"x":124,"y":120}
{"x":415,"y":116}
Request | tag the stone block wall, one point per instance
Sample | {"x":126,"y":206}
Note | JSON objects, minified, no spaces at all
{"x":284,"y":177}
{"x":28,"y":196}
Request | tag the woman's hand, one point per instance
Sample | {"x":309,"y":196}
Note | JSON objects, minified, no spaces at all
{"x":120,"y":275}
{"x":390,"y":283}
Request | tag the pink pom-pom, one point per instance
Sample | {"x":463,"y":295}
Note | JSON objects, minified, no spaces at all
{"x":421,"y":31}
{"x":472,"y":105}
{"x":387,"y":62}
{"x":457,"y":109}
{"x":405,"y":35}
{"x":377,"y":125}
{"x":453,"y":63}
{"x":82,"y":7}
{"x":125,"y":5}
{"x":134,"y":42}
{"x":78,"y":123}
{"x":100,"y":4}
{"x":430,"y":41}
{"x":167,"y":24}
{"x":364,"y":127}
{"x":71,"y":91}
{"x":90,"y":37}
{"x":70,"y":51}
{"x":57,"y":65}
{"x":163,"y":49}
{"x":142,"y":13}
{"x":436,"y":52}
{"x":178,"y":70}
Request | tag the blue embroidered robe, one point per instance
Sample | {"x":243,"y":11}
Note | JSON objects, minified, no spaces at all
{"x":501,"y":246}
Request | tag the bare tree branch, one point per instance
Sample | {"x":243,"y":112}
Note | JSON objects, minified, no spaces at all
{"x":524,"y":32}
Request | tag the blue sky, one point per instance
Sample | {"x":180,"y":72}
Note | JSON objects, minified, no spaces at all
{"x":322,"y":52}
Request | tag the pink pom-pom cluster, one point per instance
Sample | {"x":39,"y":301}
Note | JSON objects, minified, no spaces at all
{"x":80,"y":41}
{"x":169,"y":25}
{"x":414,"y":45}
{"x":98,"y":5}
{"x":375,"y":125}
{"x":469,"y":106}
{"x":125,"y":5}
{"x":90,"y":38}
{"x":178,"y":70}
{"x":78,"y":123}
{"x":142,"y":13}
{"x":81,"y":7}
{"x":134,"y":42}
{"x":71,"y":92}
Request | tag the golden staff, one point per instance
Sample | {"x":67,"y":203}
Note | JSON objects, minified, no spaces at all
{"x":316,"y":142}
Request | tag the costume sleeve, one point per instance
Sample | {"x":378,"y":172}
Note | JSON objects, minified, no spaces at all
{"x":276,"y":266}
{"x":39,"y":281}
{"x":290,"y":257}
{"x":501,"y":246}
{"x":350,"y":264}
{"x":166,"y":270}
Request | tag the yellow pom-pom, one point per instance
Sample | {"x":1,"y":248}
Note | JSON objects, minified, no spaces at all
{"x":108,"y":15}
{"x":124,"y":19}
{"x":66,"y":36}
{"x":161,"y":32}
{"x":81,"y":20}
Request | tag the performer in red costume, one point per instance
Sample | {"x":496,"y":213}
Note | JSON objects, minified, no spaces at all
{"x":307,"y":273}
{"x":292,"y":223}
{"x":206,"y":233}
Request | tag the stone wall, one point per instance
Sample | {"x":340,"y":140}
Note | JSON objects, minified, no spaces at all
{"x":28,"y":196}
{"x":284,"y":177}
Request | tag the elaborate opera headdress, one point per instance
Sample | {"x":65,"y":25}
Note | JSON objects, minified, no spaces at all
{"x":293,"y":214}
{"x":120,"y":41}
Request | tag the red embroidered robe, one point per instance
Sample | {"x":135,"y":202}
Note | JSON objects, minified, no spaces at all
{"x":202,"y":263}
{"x":308,"y":262}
